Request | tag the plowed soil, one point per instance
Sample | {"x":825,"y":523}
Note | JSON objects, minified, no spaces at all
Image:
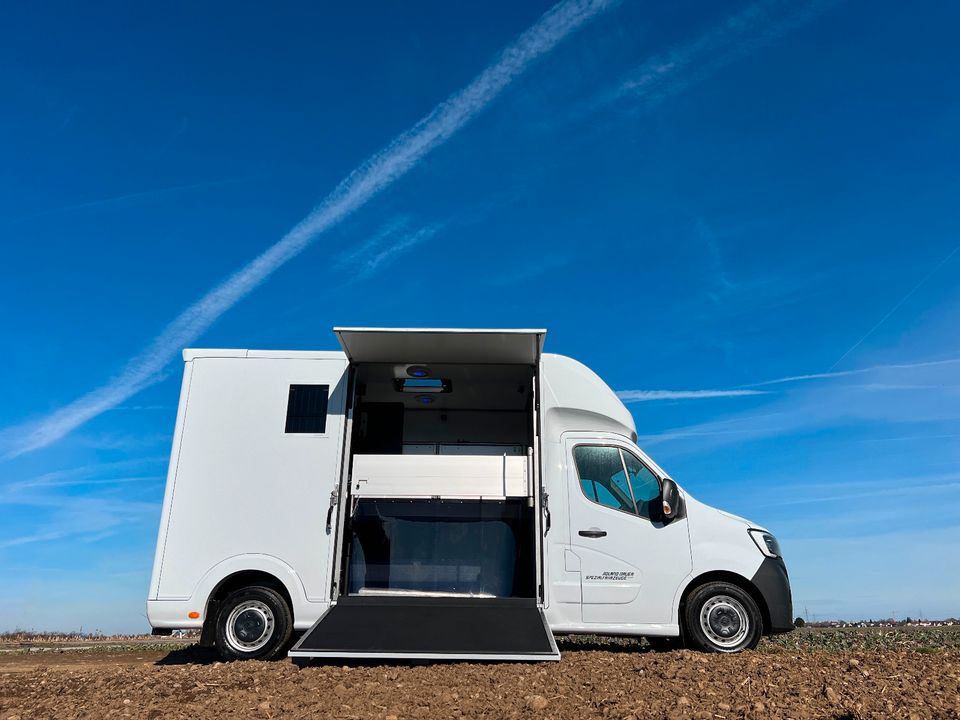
{"x":591,"y":681}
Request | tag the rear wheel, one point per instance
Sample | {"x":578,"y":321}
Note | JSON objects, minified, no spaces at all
{"x":253,"y":623}
{"x":722,"y":617}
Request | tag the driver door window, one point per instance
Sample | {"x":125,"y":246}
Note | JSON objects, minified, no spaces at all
{"x":602,"y":478}
{"x":616,"y":479}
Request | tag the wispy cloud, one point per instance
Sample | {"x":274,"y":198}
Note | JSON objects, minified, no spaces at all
{"x":144,"y":407}
{"x":830,"y":400}
{"x":45,"y":536}
{"x":349,"y":258}
{"x":632,"y":396}
{"x":83,"y":503}
{"x":370,"y":178}
{"x":378,"y":252}
{"x":83,"y":518}
{"x":913,"y":486}
{"x":385,"y":255}
{"x":709,"y":237}
{"x":126,"y":197}
{"x":103,"y":473}
{"x":755,"y":26}
{"x":734,"y":291}
{"x":520,"y":273}
{"x":82,"y":482}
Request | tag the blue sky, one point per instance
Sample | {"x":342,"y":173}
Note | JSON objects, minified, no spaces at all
{"x":708,"y":203}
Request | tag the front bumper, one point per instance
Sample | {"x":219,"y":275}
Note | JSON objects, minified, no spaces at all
{"x":774,"y":585}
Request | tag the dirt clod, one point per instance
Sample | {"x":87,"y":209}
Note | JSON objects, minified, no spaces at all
{"x":537,"y":702}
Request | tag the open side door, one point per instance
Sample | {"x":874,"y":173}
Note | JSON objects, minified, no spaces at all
{"x":444,"y":345}
{"x":425,"y":626}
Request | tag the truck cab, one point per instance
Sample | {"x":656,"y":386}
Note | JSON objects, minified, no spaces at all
{"x":631,"y":552}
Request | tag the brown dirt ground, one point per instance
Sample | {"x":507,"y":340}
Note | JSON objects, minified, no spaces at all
{"x":588,"y":682}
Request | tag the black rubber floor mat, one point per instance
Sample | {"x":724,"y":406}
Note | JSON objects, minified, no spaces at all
{"x":376,"y":626}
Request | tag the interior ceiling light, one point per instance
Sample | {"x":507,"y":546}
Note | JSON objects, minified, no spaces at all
{"x":422,"y":385}
{"x":418,"y":371}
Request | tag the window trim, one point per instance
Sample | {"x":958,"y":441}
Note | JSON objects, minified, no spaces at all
{"x":649,"y":470}
{"x":626,"y":475}
{"x":584,"y":442}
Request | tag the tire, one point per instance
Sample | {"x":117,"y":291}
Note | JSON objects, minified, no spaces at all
{"x":253,"y":623}
{"x":722,"y":617}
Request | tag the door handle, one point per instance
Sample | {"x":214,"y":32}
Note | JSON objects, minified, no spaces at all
{"x":333,"y":504}
{"x":593,"y":533}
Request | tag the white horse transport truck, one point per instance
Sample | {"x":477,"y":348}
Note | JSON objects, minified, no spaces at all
{"x":437,"y":494}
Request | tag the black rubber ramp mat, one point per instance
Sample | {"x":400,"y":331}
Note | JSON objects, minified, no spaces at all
{"x":432,"y":628}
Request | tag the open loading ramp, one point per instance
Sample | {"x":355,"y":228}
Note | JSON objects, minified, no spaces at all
{"x":430,"y":628}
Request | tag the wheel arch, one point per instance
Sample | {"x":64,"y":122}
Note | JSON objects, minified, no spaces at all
{"x":244,"y":571}
{"x":734,"y":579}
{"x":232,"y":582}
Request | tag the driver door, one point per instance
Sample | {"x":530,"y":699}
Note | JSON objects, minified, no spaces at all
{"x":631,"y":563}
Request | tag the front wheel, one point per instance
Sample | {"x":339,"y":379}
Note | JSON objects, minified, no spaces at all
{"x":721,"y":617}
{"x":253,"y":623}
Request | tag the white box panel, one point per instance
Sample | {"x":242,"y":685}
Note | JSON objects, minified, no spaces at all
{"x":425,"y":476}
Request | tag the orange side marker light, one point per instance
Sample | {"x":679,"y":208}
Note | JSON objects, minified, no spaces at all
{"x":193,"y":614}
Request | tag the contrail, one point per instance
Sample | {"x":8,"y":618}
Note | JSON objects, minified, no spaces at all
{"x":128,"y":196}
{"x":367,"y":180}
{"x":896,"y":306}
{"x":859,"y":371}
{"x":631,"y":396}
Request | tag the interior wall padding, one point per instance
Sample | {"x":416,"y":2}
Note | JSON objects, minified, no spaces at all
{"x":468,"y":548}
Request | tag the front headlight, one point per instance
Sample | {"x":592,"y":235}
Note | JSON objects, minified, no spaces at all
{"x":766,"y":542}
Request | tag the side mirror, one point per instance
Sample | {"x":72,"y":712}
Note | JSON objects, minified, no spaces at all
{"x":670,"y":500}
